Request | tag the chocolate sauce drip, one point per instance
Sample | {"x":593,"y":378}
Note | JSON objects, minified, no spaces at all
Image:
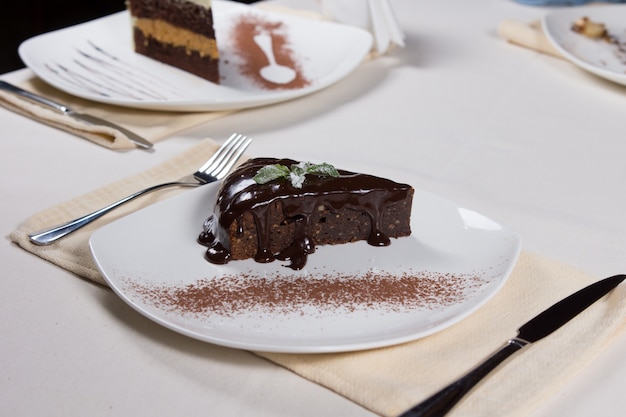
{"x":240,"y":194}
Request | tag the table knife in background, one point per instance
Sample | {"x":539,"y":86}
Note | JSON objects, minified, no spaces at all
{"x":539,"y":327}
{"x":60,"y":108}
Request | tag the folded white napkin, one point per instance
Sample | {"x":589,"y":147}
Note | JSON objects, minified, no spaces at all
{"x":375,"y":16}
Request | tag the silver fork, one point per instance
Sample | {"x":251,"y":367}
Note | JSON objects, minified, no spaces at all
{"x":215,"y":169}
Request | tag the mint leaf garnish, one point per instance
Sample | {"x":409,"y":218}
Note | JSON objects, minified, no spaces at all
{"x":297,"y":179}
{"x":323,"y":169}
{"x":296,"y":173}
{"x":271,"y":172}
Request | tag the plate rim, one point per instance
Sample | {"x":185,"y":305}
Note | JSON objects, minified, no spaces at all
{"x":546,"y":20}
{"x":261,"y":98}
{"x":269,"y":346}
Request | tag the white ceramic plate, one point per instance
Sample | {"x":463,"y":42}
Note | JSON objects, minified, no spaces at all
{"x":596,"y":56}
{"x":154,"y":252}
{"x":96,"y":61}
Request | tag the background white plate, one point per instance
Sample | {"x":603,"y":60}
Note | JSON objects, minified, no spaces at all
{"x":156,"y":248}
{"x":596,"y":56}
{"x":78,"y":60}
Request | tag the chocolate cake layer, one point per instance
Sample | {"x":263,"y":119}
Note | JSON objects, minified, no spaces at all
{"x":178,"y":33}
{"x":184,"y":14}
{"x":191,"y":61}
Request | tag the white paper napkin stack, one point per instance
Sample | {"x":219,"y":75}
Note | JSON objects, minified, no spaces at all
{"x":375,"y":16}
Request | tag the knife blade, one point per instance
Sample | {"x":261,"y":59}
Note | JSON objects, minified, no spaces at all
{"x":535,"y":329}
{"x":60,"y":108}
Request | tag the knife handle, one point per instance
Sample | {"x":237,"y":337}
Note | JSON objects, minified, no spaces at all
{"x":33,"y":97}
{"x":441,"y":402}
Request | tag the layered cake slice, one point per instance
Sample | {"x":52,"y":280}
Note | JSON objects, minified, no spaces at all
{"x":177,"y":32}
{"x":271,"y":209}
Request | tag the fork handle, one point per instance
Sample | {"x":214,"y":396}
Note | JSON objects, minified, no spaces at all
{"x":48,"y":236}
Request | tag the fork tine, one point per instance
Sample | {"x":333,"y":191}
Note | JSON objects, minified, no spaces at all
{"x":232,"y":148}
{"x":217,"y":156}
{"x":234,"y":158}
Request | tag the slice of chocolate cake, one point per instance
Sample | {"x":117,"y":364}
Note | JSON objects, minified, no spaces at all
{"x":284,"y":218}
{"x":177,"y":32}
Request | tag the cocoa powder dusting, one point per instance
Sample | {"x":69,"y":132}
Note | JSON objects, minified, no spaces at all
{"x":253,"y":58}
{"x":233,"y":294}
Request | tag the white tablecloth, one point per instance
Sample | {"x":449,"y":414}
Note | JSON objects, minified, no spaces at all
{"x":525,"y":138}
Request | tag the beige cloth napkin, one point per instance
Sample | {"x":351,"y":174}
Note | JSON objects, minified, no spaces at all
{"x":529,"y":35}
{"x":390,"y":380}
{"x":152,"y":125}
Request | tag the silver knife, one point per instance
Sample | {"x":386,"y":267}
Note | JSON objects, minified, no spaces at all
{"x":60,"y":108}
{"x":539,"y":327}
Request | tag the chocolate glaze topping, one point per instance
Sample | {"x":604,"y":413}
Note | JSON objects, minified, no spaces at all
{"x":240,"y":194}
